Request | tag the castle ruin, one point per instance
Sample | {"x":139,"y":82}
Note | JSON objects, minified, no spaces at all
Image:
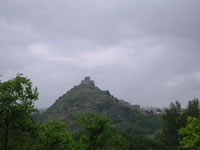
{"x":87,"y":81}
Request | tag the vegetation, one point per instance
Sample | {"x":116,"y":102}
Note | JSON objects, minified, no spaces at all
{"x":175,"y":118}
{"x":95,"y":120}
{"x":191,"y":134}
{"x":143,"y":143}
{"x":53,"y":135}
{"x":16,"y":104}
{"x":84,"y":98}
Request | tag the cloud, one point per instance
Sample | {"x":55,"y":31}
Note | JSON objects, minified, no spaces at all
{"x":88,"y":59}
{"x":146,"y":52}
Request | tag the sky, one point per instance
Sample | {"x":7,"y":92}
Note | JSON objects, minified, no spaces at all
{"x":145,"y":52}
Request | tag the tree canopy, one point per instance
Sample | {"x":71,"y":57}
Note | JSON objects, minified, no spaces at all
{"x":191,"y":133}
{"x":16,"y":104}
{"x":175,"y":118}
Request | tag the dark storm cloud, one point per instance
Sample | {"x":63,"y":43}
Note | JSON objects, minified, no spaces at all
{"x":145,"y":52}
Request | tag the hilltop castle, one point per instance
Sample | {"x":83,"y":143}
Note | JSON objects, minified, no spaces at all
{"x":87,"y":81}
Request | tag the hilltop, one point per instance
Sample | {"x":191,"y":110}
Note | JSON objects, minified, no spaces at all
{"x":87,"y":97}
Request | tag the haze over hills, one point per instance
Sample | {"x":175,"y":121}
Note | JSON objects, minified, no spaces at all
{"x":86,"y":97}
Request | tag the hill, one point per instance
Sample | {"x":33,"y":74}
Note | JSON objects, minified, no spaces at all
{"x":86,"y":97}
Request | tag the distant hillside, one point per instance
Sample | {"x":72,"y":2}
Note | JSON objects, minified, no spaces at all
{"x":86,"y":97}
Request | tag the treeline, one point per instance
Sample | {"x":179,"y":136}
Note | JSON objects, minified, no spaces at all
{"x":181,"y":129}
{"x":18,"y":131}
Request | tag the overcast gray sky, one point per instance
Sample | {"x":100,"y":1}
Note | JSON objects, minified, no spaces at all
{"x":144,"y":51}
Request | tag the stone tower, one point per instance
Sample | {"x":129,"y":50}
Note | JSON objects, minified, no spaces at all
{"x":87,"y":81}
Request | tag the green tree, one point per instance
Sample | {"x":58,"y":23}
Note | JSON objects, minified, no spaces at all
{"x":93,"y":129}
{"x":142,"y":143}
{"x":0,"y":76}
{"x":98,"y":134}
{"x":193,"y":109}
{"x":53,"y":135}
{"x":175,"y":118}
{"x":173,"y":121}
{"x":16,"y":105}
{"x":191,"y":133}
{"x":116,"y":139}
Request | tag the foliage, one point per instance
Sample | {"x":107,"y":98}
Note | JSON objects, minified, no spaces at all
{"x":97,"y":134}
{"x":83,"y":98}
{"x":16,"y":104}
{"x":193,"y":109}
{"x":175,"y":118}
{"x":112,"y":124}
{"x":116,"y":140}
{"x":53,"y":135}
{"x":173,"y":122}
{"x":18,"y":131}
{"x":142,"y":143}
{"x":93,"y":127}
{"x":191,"y":133}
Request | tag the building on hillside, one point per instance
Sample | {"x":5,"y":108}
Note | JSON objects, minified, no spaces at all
{"x":87,"y":81}
{"x":136,"y":106}
{"x":154,"y":110}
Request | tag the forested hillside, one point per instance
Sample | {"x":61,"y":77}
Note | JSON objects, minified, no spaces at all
{"x":89,"y":98}
{"x":87,"y":118}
